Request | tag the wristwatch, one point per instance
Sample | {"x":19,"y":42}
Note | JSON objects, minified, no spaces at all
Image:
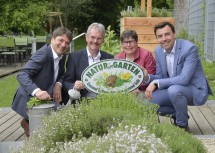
{"x":155,"y":82}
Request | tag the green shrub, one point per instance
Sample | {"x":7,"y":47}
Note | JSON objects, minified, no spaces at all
{"x":137,"y":12}
{"x":94,"y":121}
{"x":111,"y":44}
{"x":131,"y":138}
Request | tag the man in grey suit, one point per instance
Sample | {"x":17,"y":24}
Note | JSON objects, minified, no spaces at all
{"x":82,"y":59}
{"x":180,"y":80}
{"x":43,"y":74}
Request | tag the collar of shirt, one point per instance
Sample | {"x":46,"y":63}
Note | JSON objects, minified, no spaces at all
{"x":92,"y":59}
{"x":56,"y":63}
{"x":172,"y":51}
{"x":55,"y":56}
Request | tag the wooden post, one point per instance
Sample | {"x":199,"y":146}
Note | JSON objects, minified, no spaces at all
{"x":59,"y":15}
{"x":149,"y":8}
{"x":143,"y":5}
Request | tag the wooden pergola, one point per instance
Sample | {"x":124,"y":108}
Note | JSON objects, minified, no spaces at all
{"x":149,"y":7}
{"x":50,"y":16}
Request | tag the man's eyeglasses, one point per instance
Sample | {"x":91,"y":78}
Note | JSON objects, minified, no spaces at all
{"x":131,"y":42}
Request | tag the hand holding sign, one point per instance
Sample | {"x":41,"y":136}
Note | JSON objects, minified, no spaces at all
{"x":112,"y":75}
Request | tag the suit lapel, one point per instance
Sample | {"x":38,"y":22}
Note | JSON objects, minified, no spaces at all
{"x":163,"y":60}
{"x":176,"y":56}
{"x":84,"y":58}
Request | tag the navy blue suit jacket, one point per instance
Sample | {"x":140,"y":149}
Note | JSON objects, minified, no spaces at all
{"x":37,"y":73}
{"x":78,"y":62}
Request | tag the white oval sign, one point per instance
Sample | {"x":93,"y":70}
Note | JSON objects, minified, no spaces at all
{"x":112,"y":75}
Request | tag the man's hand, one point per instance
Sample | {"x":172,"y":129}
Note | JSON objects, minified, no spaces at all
{"x":79,"y":85}
{"x":136,"y":91}
{"x":57,"y":97}
{"x":149,"y":90}
{"x":42,"y":95}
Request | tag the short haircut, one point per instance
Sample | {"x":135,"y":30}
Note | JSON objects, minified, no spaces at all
{"x":163,"y":24}
{"x":97,"y":26}
{"x":62,"y":31}
{"x":129,"y":34}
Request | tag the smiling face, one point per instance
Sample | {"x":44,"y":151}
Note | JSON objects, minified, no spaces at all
{"x":94,"y":40}
{"x":166,"y":38}
{"x":60,"y":44}
{"x":129,"y":46}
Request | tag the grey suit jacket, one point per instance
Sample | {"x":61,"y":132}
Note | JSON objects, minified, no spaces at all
{"x":187,"y":70}
{"x":37,"y":73}
{"x":78,"y":61}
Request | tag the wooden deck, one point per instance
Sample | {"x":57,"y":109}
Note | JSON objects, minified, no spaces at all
{"x":10,"y":128}
{"x":201,"y":122}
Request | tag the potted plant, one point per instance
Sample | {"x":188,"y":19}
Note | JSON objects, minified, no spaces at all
{"x":37,"y":110}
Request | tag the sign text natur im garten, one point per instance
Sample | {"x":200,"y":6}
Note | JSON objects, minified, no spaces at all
{"x":113,"y":75}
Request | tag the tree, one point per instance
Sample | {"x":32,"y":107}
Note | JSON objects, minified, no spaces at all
{"x":81,"y":13}
{"x":25,"y":16}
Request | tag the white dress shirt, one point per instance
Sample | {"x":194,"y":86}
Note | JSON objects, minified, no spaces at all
{"x":91,"y":61}
{"x":170,"y":60}
{"x":56,"y":59}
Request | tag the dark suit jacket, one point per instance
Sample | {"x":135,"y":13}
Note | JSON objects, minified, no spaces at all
{"x":77,"y":63}
{"x":37,"y":73}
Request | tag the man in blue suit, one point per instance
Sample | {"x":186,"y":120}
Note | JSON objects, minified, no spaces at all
{"x":180,"y":80}
{"x":82,"y":59}
{"x":43,"y":74}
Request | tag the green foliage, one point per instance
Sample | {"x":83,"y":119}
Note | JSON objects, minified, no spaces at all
{"x":176,"y":138}
{"x":161,"y":12}
{"x":8,"y":88}
{"x":131,"y":138}
{"x":91,"y":116}
{"x":81,"y":13}
{"x":168,"y":4}
{"x":137,"y":12}
{"x":111,"y":44}
{"x":97,"y":124}
{"x":80,"y":43}
{"x":208,"y":67}
{"x":183,"y":34}
{"x":35,"y":102}
{"x":24,"y":16}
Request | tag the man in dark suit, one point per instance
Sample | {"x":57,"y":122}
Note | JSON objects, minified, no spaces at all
{"x":180,"y":80}
{"x":82,"y":59}
{"x":43,"y":74}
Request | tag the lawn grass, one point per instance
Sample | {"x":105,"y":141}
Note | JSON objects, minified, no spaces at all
{"x":8,"y":86}
{"x":80,"y":43}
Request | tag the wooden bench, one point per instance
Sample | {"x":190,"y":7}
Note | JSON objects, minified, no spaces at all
{"x":40,"y":41}
{"x":22,"y":47}
{"x":8,"y":50}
